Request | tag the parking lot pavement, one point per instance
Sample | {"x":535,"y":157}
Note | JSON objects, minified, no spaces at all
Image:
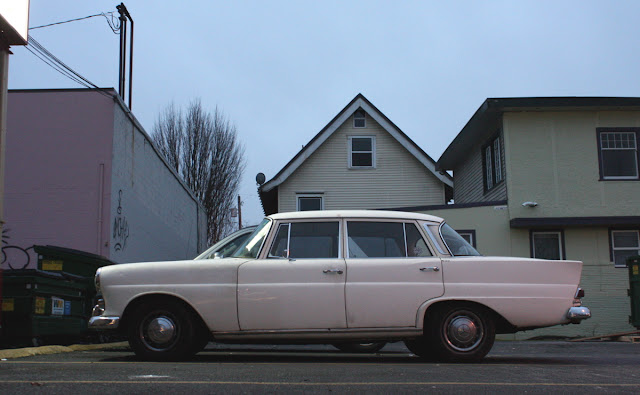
{"x":534,"y":367}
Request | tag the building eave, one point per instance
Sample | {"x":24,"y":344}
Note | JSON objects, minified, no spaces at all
{"x":474,"y":132}
{"x":561,"y":222}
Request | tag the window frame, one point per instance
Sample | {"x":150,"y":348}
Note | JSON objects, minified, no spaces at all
{"x":561,"y":242}
{"x":289,"y":223}
{"x":357,"y":117}
{"x":599,"y":133}
{"x":612,"y":248}
{"x":492,"y":169}
{"x":309,"y":195}
{"x":470,"y":232}
{"x":351,"y":152}
{"x":404,"y":231}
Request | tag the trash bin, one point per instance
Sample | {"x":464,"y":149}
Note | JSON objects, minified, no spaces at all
{"x":38,"y":304}
{"x":67,"y":260}
{"x":633,"y":263}
{"x":77,"y":265}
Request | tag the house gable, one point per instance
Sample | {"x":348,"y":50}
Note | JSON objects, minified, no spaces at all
{"x":269,"y":191}
{"x":398,"y":178}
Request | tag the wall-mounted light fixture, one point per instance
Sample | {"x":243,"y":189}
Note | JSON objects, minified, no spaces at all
{"x":529,"y":204}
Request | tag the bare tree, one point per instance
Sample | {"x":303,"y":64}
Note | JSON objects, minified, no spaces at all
{"x":204,"y":150}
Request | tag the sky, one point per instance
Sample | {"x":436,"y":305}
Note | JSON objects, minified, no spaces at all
{"x":281,"y":70}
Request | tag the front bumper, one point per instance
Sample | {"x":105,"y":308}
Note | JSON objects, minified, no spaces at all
{"x":578,"y":313}
{"x":104,"y":323}
{"x":100,"y":322}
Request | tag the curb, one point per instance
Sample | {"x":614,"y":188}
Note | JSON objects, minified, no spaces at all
{"x":47,"y":350}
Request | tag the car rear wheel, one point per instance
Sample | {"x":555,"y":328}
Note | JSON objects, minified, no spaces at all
{"x":456,"y":333}
{"x":360,"y":347}
{"x":163,"y":330}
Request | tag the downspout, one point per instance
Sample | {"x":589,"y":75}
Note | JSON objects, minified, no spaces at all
{"x":100,"y":207}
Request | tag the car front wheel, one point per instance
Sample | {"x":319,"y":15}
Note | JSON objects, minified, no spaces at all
{"x":163,"y":330}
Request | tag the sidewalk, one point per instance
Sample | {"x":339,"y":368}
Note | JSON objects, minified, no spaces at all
{"x":44,"y":350}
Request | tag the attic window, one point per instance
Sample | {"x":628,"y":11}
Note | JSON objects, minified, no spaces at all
{"x":359,"y":119}
{"x":362,"y":152}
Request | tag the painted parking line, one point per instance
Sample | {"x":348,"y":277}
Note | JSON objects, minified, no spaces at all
{"x":332,"y":384}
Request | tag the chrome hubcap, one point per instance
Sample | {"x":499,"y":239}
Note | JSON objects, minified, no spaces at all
{"x":463,"y":331}
{"x":161,"y":330}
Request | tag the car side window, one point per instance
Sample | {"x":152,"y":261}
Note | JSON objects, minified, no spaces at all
{"x":385,"y":240}
{"x":416,"y":245}
{"x":306,"y":240}
{"x":376,"y":239}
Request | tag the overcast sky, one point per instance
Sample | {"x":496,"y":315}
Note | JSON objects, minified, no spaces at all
{"x":281,"y":71}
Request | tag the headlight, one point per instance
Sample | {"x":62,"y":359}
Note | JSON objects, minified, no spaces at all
{"x":97,"y":280}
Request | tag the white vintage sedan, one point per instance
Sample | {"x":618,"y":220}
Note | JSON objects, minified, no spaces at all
{"x":339,"y":277}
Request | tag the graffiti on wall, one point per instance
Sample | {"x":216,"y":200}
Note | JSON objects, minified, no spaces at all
{"x":14,"y":257}
{"x":120,"y":227}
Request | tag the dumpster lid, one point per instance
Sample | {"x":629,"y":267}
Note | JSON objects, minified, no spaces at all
{"x":69,"y":253}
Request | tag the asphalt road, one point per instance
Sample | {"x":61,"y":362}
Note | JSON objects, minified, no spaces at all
{"x":511,"y":367}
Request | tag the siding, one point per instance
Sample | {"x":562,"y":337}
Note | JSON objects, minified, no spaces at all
{"x":552,"y":159}
{"x":399,"y":179}
{"x":468,"y":184}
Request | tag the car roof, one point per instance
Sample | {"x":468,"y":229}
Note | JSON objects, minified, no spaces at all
{"x":379,"y":214}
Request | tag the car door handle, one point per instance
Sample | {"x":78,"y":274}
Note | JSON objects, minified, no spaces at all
{"x":336,"y":271}
{"x":430,"y":269}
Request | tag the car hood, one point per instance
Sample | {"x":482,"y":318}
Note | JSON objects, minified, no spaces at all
{"x":171,"y":272}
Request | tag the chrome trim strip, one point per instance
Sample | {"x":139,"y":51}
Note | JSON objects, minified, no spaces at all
{"x":367,"y":333}
{"x":577,"y":314}
{"x":101,"y":322}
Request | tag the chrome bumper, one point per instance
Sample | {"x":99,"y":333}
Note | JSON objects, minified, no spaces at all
{"x":102,"y":323}
{"x":577,"y":314}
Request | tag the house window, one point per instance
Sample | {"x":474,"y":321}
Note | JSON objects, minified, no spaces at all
{"x":362,"y":152}
{"x":469,"y":236}
{"x":310,"y":202}
{"x":359,"y":120}
{"x":492,"y":163}
{"x":618,"y":149}
{"x":547,"y":244}
{"x":624,"y":243}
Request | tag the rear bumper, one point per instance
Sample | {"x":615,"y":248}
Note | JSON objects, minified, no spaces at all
{"x":576,"y":314}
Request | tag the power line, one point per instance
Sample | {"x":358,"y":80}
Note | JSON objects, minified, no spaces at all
{"x":115,"y":27}
{"x":52,"y":61}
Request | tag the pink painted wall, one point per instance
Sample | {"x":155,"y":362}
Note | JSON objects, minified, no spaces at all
{"x":58,"y":160}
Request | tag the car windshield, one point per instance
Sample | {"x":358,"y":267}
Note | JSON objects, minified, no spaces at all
{"x":251,"y":247}
{"x":227,"y":246}
{"x":456,"y":243}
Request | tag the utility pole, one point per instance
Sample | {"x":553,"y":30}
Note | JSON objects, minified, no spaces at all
{"x":239,"y":213}
{"x":124,"y":15}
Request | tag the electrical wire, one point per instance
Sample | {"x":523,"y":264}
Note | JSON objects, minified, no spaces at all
{"x":115,"y":27}
{"x":52,"y":61}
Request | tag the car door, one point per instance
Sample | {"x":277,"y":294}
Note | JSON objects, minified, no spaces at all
{"x":391,"y":273}
{"x":299,"y":285}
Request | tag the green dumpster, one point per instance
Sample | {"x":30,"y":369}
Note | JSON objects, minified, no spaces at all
{"x":38,"y":304}
{"x":73,"y":264}
{"x":67,"y":260}
{"x":633,"y":263}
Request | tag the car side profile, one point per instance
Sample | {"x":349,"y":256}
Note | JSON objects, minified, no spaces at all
{"x":339,"y":277}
